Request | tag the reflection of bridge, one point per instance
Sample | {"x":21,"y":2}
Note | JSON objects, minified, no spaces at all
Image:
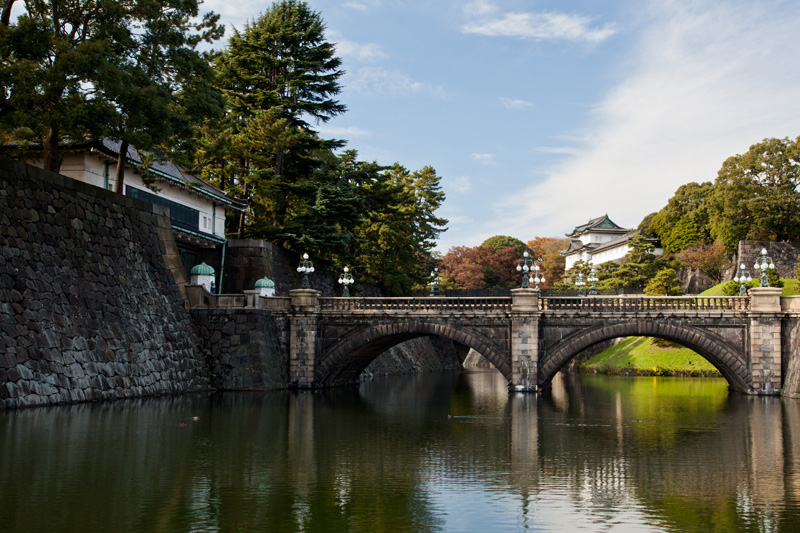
{"x":529,"y":339}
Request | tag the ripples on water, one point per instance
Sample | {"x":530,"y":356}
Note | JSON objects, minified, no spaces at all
{"x":445,"y":452}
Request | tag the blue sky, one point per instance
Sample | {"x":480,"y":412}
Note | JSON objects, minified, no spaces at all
{"x":539,"y":115}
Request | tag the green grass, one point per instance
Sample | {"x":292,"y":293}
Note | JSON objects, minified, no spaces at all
{"x":644,"y":356}
{"x":791,"y":287}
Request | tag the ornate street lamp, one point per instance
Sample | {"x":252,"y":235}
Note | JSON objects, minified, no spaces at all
{"x":524,"y":266}
{"x":306,"y":267}
{"x":580,"y":282}
{"x":743,"y":278}
{"x":434,"y":283}
{"x":592,"y":279}
{"x":763,"y":263}
{"x":345,"y":279}
{"x":536,"y":276}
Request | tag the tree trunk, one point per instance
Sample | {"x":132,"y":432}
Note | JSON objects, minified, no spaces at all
{"x":241,"y":217}
{"x":5,"y":17}
{"x":120,"y":173}
{"x":50,"y":150}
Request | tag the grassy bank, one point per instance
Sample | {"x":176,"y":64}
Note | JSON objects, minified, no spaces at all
{"x":791,"y":287}
{"x":646,"y":356}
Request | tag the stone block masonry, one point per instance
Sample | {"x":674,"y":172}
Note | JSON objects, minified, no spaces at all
{"x":242,"y":349}
{"x":89,"y":309}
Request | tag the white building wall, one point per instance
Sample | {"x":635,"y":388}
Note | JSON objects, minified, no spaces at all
{"x":95,"y":171}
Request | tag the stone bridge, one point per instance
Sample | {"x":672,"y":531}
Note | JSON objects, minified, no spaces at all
{"x":750,"y":340}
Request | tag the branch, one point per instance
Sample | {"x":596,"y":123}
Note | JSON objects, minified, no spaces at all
{"x":5,"y":18}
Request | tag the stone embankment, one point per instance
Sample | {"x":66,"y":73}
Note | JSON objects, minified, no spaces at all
{"x":89,"y":309}
{"x":91,"y":306}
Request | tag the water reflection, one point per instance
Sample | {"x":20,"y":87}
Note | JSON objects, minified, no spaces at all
{"x":424,"y":453}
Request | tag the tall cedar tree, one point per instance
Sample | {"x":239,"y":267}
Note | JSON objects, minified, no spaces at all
{"x":279,"y":72}
{"x":95,"y":68}
{"x":398,"y":228}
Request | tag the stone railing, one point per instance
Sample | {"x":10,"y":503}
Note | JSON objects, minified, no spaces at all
{"x":199,"y":297}
{"x":790,"y":304}
{"x":429,"y":304}
{"x":612,"y":304}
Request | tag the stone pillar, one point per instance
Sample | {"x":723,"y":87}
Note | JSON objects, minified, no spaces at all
{"x":765,"y":340}
{"x":303,"y":337}
{"x":524,"y":340}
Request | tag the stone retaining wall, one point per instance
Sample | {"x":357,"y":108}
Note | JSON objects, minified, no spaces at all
{"x":89,"y":310}
{"x":242,"y":349}
{"x":785,"y":255}
{"x":248,"y":260}
{"x":412,"y":357}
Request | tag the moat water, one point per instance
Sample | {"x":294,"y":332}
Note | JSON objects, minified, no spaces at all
{"x":444,"y":452}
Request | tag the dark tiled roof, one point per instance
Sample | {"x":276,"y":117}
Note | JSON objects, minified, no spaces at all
{"x":601,"y":224}
{"x":576,"y":245}
{"x":623,"y":239}
{"x":167,"y":171}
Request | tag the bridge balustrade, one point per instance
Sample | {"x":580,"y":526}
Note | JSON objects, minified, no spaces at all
{"x":645,"y":303}
{"x":438,"y":304}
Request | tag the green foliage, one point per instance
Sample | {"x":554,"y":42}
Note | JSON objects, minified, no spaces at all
{"x":664,"y":284}
{"x":579,"y":268}
{"x":639,"y":267}
{"x":499,"y":242}
{"x":397,"y":229}
{"x":275,"y":74}
{"x":684,"y":221}
{"x":91,"y":69}
{"x":731,"y":288}
{"x":756,"y":194}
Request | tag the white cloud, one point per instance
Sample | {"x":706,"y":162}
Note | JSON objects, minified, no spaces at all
{"x":356,"y":5}
{"x":348,"y":132}
{"x":510,"y":103}
{"x":707,"y":82}
{"x":484,"y":20}
{"x":366,"y":52}
{"x":373,"y":81}
{"x":462,"y":184}
{"x":484,"y":159}
{"x":564,"y":150}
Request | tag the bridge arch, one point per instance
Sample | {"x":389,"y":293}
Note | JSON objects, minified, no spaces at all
{"x":731,"y":364}
{"x":349,"y":356}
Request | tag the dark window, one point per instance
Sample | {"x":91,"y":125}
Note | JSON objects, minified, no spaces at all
{"x":181,"y":216}
{"x":189,"y":258}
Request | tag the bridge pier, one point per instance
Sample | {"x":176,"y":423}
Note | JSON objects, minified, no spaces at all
{"x":303,"y":337}
{"x":524,"y":345}
{"x":765,"y":340}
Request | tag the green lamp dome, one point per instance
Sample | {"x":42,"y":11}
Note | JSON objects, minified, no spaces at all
{"x":202,"y":270}
{"x":265,"y":283}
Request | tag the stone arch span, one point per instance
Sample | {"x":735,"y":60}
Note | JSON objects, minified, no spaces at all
{"x":346,"y":359}
{"x":731,"y":364}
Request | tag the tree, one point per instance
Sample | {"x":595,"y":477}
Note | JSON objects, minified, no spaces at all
{"x":397,"y":229}
{"x":684,"y":221}
{"x":482,"y":267}
{"x":93,"y":68}
{"x":276,"y":74}
{"x":756,"y":194}
{"x":665,"y":283}
{"x":639,"y":267}
{"x":500,"y":242}
{"x":552,"y":262}
{"x":710,"y":259}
